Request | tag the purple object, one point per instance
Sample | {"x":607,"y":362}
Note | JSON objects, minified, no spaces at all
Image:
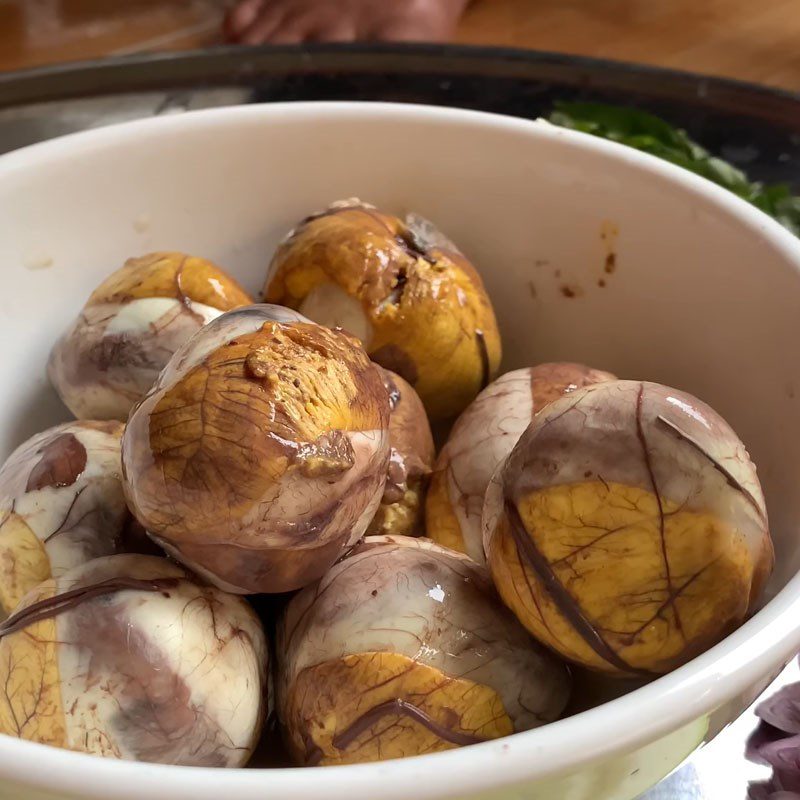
{"x":776,"y":743}
{"x":782,"y":754}
{"x":768,"y":791}
{"x":763,"y":736}
{"x":782,"y":710}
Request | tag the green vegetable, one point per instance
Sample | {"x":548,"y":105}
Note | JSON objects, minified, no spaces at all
{"x":653,"y":135}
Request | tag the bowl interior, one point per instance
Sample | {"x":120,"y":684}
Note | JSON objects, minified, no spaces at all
{"x":589,"y":253}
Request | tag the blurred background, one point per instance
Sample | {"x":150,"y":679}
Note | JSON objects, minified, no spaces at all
{"x":754,"y":41}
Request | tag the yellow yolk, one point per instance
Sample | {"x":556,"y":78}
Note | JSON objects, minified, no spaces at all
{"x":622,"y":585}
{"x":345,"y":711}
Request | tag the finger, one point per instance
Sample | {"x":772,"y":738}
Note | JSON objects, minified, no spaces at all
{"x":287,"y":36}
{"x":332,"y":30}
{"x":241,"y":17}
{"x":408,"y":32}
{"x":269,"y":19}
{"x":336,"y":34}
{"x":300,"y":27}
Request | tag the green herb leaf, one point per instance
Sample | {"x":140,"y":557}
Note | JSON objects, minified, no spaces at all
{"x":651,"y":134}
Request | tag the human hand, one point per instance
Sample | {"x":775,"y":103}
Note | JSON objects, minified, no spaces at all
{"x":294,"y":21}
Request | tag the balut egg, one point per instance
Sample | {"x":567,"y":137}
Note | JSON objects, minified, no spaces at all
{"x":261,"y":453}
{"x":406,"y":292}
{"x":627,"y":528}
{"x":61,"y":504}
{"x":129,"y":657}
{"x":404,"y":648}
{"x":481,"y":439}
{"x":131,"y":325}
{"x":410,"y":462}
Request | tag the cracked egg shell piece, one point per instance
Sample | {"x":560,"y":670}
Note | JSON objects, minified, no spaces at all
{"x":404,"y":648}
{"x":261,"y":453}
{"x":61,"y":504}
{"x":627,"y":529}
{"x":129,"y":657}
{"x":131,"y":325}
{"x":410,"y":462}
{"x":417,"y":304}
{"x":481,"y":438}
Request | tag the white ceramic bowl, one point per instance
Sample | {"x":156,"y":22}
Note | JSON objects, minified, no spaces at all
{"x":705,"y":296}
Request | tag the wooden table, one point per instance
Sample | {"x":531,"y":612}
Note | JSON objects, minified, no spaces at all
{"x":756,"y":40}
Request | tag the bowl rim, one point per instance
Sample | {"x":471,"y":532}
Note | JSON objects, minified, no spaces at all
{"x":732,"y":667}
{"x":148,"y":71}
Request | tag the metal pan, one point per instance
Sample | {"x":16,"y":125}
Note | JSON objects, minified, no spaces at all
{"x":754,"y":127}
